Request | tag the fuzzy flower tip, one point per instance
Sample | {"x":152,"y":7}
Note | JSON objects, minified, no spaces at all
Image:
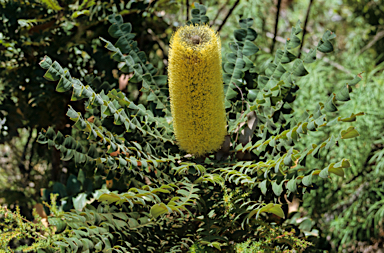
{"x":196,"y":89}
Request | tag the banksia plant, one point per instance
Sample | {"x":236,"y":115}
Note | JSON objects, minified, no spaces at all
{"x":196,"y":89}
{"x":157,"y":200}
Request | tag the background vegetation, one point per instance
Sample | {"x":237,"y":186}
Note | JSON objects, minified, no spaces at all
{"x":342,"y":214}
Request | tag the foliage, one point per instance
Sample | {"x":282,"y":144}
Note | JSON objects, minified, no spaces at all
{"x":68,"y":31}
{"x":339,"y":208}
{"x":272,"y":240}
{"x":14,"y":226}
{"x":347,"y":212}
{"x":158,"y":198}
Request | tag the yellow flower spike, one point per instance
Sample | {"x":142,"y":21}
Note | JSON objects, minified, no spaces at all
{"x":196,"y":89}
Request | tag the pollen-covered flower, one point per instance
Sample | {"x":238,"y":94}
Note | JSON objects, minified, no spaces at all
{"x":196,"y":89}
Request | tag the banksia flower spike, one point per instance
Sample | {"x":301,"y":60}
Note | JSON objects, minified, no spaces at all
{"x":196,"y":89}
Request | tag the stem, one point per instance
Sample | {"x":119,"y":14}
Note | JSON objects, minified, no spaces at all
{"x":242,"y":109}
{"x":32,"y":152}
{"x":219,"y":11}
{"x":276,"y":23}
{"x":229,"y":13}
{"x":305,"y":27}
{"x":377,"y":37}
{"x":187,"y":4}
{"x":22,"y":166}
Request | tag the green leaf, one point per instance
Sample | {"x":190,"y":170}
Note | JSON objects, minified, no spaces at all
{"x":291,"y":185}
{"x":92,"y":152}
{"x":240,"y":34}
{"x":216,"y":245}
{"x":335,"y":168}
{"x":50,"y":134}
{"x":54,"y":72}
{"x":307,"y":180}
{"x":277,"y":188}
{"x":119,"y":29}
{"x":351,"y":132}
{"x":249,"y":48}
{"x":262,"y":80}
{"x":198,"y":14}
{"x":328,"y":35}
{"x":246,"y":23}
{"x":79,"y":202}
{"x":46,"y":62}
{"x":350,"y":118}
{"x":252,"y":94}
{"x":263,"y":186}
{"x":159,"y":209}
{"x":58,"y":223}
{"x":70,"y":143}
{"x":355,"y":80}
{"x":273,"y":208}
{"x":51,"y":5}
{"x":330,"y":104}
{"x":161,"y":80}
{"x":251,"y":34}
{"x":311,"y":56}
{"x":325,"y":46}
{"x":110,"y":197}
{"x":293,"y":42}
{"x":343,"y":94}
{"x":59,"y":140}
{"x":287,"y":57}
{"x":298,"y":68}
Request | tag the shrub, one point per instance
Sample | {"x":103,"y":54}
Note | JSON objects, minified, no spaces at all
{"x":158,"y":198}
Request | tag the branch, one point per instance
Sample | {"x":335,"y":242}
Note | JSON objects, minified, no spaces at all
{"x":229,"y":13}
{"x":159,"y":42}
{"x":276,"y":23}
{"x":32,"y":152}
{"x":187,"y":4}
{"x":305,"y":27}
{"x":218,"y":12}
{"x":22,"y":167}
{"x":377,"y":37}
{"x":306,"y":50}
{"x":242,"y":109}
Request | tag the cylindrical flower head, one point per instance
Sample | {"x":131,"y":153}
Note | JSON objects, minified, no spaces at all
{"x":196,"y":89}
